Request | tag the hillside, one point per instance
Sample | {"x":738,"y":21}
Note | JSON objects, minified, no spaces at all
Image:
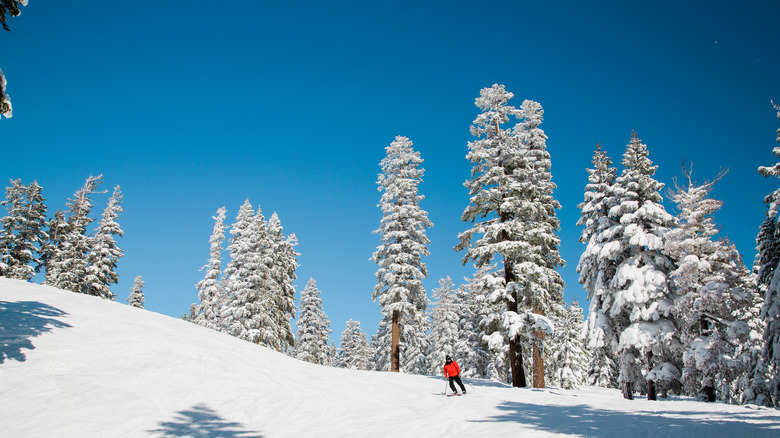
{"x":78,"y":366}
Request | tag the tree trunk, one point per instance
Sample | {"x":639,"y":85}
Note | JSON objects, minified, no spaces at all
{"x":628,"y":391}
{"x":515,"y":354}
{"x":538,"y":360}
{"x":395,"y":348}
{"x":651,"y":395}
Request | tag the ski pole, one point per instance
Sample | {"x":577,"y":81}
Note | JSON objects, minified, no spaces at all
{"x":445,"y":386}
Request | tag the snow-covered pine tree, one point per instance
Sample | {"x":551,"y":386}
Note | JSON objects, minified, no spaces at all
{"x":354,"y":350}
{"x":136,"y":297}
{"x":711,"y":284}
{"x":68,"y":261}
{"x":769,"y":277}
{"x":6,"y":110}
{"x":211,"y":295}
{"x":399,"y":290}
{"x":444,"y":333}
{"x":284,"y":262}
{"x":248,"y":312}
{"x":570,"y":357}
{"x":597,"y":268}
{"x":640,"y":300}
{"x":313,"y":327}
{"x":511,"y":193}
{"x":22,"y":235}
{"x":58,"y":227}
{"x":103,"y":254}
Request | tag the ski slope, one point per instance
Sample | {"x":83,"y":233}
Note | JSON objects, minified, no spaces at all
{"x":77,"y":366}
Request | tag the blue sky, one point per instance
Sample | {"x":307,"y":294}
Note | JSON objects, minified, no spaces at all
{"x":190,"y":107}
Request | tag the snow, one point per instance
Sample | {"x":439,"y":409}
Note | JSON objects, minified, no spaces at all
{"x":77,"y":365}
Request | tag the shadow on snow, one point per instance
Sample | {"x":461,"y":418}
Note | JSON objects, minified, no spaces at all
{"x":587,"y":421}
{"x":202,"y":422}
{"x":22,"y":320}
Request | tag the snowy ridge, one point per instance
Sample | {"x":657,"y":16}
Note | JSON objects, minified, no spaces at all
{"x":75,"y":365}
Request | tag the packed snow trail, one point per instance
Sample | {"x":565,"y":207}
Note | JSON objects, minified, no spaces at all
{"x":76,"y":365}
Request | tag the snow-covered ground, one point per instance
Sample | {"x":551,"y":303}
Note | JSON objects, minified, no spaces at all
{"x":78,"y":366}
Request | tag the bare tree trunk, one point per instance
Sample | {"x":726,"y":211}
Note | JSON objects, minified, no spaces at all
{"x":515,"y":354}
{"x":538,"y":360}
{"x":628,"y":391}
{"x":395,"y":348}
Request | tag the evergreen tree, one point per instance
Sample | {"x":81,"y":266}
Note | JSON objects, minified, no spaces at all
{"x":68,"y":261}
{"x":751,"y":386}
{"x":711,"y":286}
{"x":313,"y":327}
{"x":104,"y":255}
{"x":444,"y":326}
{"x":50,"y":251}
{"x":211,"y":294}
{"x":597,"y":268}
{"x":354,"y":351}
{"x":282,"y":270}
{"x":6,"y":110}
{"x":248,"y":312}
{"x":22,"y":235}
{"x":640,"y":300}
{"x":399,"y":290}
{"x":136,"y":297}
{"x":511,"y":192}
{"x":569,"y":357}
{"x":769,"y":278}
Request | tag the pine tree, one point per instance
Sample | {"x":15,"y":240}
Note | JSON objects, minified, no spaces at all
{"x":511,"y":192}
{"x":10,"y":8}
{"x":282,"y":270}
{"x":354,"y":351}
{"x":136,"y":297}
{"x":6,"y":110}
{"x":248,"y":311}
{"x":50,"y":251}
{"x":597,"y":268}
{"x":444,"y":325}
{"x":769,"y":278}
{"x":313,"y":327}
{"x":211,"y":294}
{"x":399,"y":290}
{"x":68,"y":262}
{"x":640,"y":301}
{"x":711,"y":284}
{"x":22,"y":235}
{"x":104,"y":255}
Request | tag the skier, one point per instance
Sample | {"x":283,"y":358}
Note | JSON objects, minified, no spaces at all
{"x":452,"y":372}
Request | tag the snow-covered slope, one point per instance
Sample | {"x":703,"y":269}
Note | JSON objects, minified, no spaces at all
{"x":78,"y":366}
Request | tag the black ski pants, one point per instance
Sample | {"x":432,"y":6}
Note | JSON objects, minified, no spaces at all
{"x":454,"y":379}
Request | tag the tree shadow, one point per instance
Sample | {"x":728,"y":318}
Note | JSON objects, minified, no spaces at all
{"x":22,"y":320}
{"x":586,"y":421}
{"x":200,"y":421}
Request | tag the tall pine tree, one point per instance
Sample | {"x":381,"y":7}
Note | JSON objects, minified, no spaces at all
{"x":211,"y":294}
{"x":104,"y":254}
{"x":67,"y":261}
{"x":22,"y":235}
{"x":399,"y":290}
{"x":640,"y":300}
{"x":512,"y":212}
{"x":444,"y":326}
{"x":597,"y":268}
{"x":769,"y":277}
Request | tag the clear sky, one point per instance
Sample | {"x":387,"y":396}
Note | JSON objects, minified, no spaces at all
{"x":192,"y":105}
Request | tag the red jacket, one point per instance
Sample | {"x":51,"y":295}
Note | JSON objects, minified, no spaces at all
{"x":451,"y":369}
